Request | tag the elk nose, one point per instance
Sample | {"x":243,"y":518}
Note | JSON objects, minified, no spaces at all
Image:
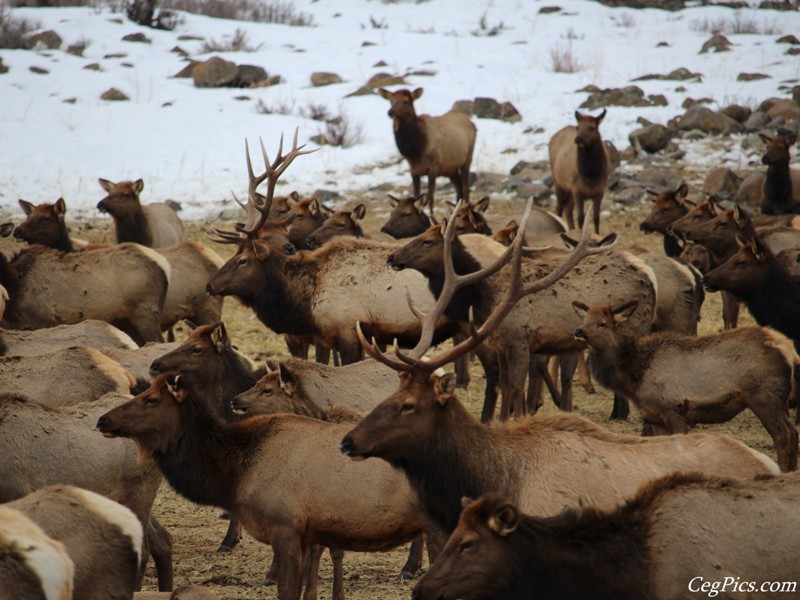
{"x":704,"y":280}
{"x":209,"y":291}
{"x":384,"y":230}
{"x":644,"y":228}
{"x":390,"y":112}
{"x":416,"y":595}
{"x":17,"y":234}
{"x":101,"y":423}
{"x":289,"y":248}
{"x":156,"y":368}
{"x":311,"y":241}
{"x":101,"y":206}
{"x":579,"y":334}
{"x":346,"y":445}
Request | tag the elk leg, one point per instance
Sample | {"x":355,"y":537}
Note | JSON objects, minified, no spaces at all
{"x":491,"y":370}
{"x":584,"y":375}
{"x":232,"y":536}
{"x":542,"y":365}
{"x":290,"y":556}
{"x":159,"y":543}
{"x":621,"y":409}
{"x":564,"y":205}
{"x":675,"y":423}
{"x":337,"y":558}
{"x":775,"y":419}
{"x":596,"y":213}
{"x":578,"y":201}
{"x":518,"y":361}
{"x":322,"y":354}
{"x":312,"y":572}
{"x":431,"y":189}
{"x":568,"y":364}
{"x":297,"y":346}
{"x":147,"y":325}
{"x":349,"y":351}
{"x":462,"y":364}
{"x":505,"y":398}
{"x":730,"y":310}
{"x":414,"y":561}
{"x":534,"y":397}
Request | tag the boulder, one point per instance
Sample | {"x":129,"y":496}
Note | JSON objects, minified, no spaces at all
{"x":321,"y":78}
{"x":706,"y":120}
{"x":650,"y":138}
{"x":113,"y":95}
{"x":48,"y":39}
{"x":721,"y":181}
{"x":717,"y":43}
{"x":215,"y":72}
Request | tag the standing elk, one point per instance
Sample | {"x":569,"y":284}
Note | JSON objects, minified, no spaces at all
{"x":123,"y":285}
{"x":425,"y":431}
{"x":434,"y":146}
{"x":103,"y":538}
{"x":42,"y":446}
{"x":407,"y":218}
{"x":540,"y":324}
{"x":260,"y":469}
{"x":34,"y":566}
{"x":192,"y":264}
{"x":580,"y":166}
{"x":781,"y":191}
{"x":676,"y":381}
{"x":678,"y":536}
{"x":154,"y":225}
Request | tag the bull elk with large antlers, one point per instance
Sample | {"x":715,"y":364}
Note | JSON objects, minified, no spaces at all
{"x":426,"y":432}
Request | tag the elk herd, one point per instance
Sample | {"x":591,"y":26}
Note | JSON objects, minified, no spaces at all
{"x":379,"y":450}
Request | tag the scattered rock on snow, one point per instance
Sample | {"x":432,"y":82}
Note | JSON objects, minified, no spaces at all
{"x":706,"y":120}
{"x":751,"y":76}
{"x":717,"y":43}
{"x":321,"y":78}
{"x":215,"y":72}
{"x":48,"y":39}
{"x":113,"y":94}
{"x":650,"y":138}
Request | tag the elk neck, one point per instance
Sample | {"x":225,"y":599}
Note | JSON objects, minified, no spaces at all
{"x":778,"y":186}
{"x":476,"y":295}
{"x":133,"y":227}
{"x":775,"y":299}
{"x":283,"y":303}
{"x":620,"y":350}
{"x":592,"y":161}
{"x":410,"y":137}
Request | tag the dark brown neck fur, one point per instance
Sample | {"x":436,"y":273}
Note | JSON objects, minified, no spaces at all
{"x":410,"y":138}
{"x":592,"y":161}
{"x":133,"y":227}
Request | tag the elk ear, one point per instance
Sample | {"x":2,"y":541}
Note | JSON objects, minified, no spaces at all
{"x":504,"y":519}
{"x":60,"y":209}
{"x":739,"y":216}
{"x":359,"y":211}
{"x":765,"y":138}
{"x":294,"y":196}
{"x":623,"y":312}
{"x":482,"y":204}
{"x":443,"y":386}
{"x":611,"y":238}
{"x":138,"y":186}
{"x":270,"y":366}
{"x":466,"y":501}
{"x":580,"y":309}
{"x":314,"y":208}
{"x":190,"y":325}
{"x":261,"y":249}
{"x":6,"y":229}
{"x":106,"y":184}
{"x":384,"y":93}
{"x":393,"y":200}
{"x":599,"y":118}
{"x":569,"y":242}
{"x":287,"y":379}
{"x":682,"y":191}
{"x":219,"y":338}
{"x":758,"y":249}
{"x":416,"y":93}
{"x":26,"y":207}
{"x":420,"y":201}
{"x":578,"y":116}
{"x":652,"y":193}
{"x":175,"y":387}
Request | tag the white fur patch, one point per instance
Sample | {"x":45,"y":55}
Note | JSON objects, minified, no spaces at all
{"x":156,"y":258}
{"x":114,"y":513}
{"x":123,"y":337}
{"x":43,"y":555}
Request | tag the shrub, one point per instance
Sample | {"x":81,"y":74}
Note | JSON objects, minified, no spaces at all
{"x":14,"y":29}
{"x":563,"y":60}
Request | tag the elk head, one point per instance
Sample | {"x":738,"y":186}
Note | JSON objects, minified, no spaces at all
{"x":340,"y":223}
{"x":777,"y":153}
{"x":407,"y":219}
{"x":698,"y":214}
{"x":402,"y":104}
{"x":201,"y":353}
{"x":44,"y":223}
{"x":588,"y":132}
{"x":600,"y":322}
{"x":305,"y":218}
{"x":668,"y":207}
{"x":507,"y":234}
{"x":469,"y":217}
{"x":122,"y":199}
{"x":741,"y":273}
{"x":275,"y":392}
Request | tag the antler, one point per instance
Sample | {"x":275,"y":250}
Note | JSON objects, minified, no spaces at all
{"x":412,"y":361}
{"x":257,"y":207}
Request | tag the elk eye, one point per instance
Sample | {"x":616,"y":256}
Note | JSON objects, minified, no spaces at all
{"x":242,"y":262}
{"x":197,"y":350}
{"x":341,"y":225}
{"x":407,"y":407}
{"x":602,"y":325}
{"x":427,"y":242}
{"x":467,"y":545}
{"x":150,"y":402}
{"x":266,"y":392}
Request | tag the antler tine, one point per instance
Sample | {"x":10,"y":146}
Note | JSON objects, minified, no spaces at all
{"x":371,"y":348}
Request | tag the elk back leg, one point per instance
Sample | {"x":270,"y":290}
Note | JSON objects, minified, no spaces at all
{"x":337,"y":558}
{"x":312,"y":572}
{"x":232,"y":536}
{"x":517,"y":363}
{"x":431,"y":189}
{"x":291,"y":557}
{"x":775,"y":419}
{"x":621,"y":408}
{"x":414,"y":561}
{"x":462,"y":364}
{"x":730,"y":310}
{"x":568,"y":364}
{"x":584,"y":375}
{"x":596,"y":213}
{"x":535,"y":395}
{"x":159,"y":543}
{"x":564,"y":205}
{"x":491,"y":370}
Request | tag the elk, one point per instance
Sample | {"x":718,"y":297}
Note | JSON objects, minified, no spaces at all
{"x":580,"y":167}
{"x":526,"y":331}
{"x":83,"y":375}
{"x":34,"y":565}
{"x":137,"y":361}
{"x":154,"y":225}
{"x":91,"y":333}
{"x":304,"y":218}
{"x":470,"y":218}
{"x":434,"y":146}
{"x":670,"y":539}
{"x":321,"y":293}
{"x":676,"y":381}
{"x":668,"y":207}
{"x":124,"y":285}
{"x":407,"y":218}
{"x":192,"y":264}
{"x":781,"y":191}
{"x":339,"y":223}
{"x":103,"y":538}
{"x":425,"y":431}
{"x":42,"y":446}
{"x":756,"y":276}
{"x":259,"y":470}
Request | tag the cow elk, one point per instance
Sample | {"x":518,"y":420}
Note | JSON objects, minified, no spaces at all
{"x":678,"y":536}
{"x":434,"y":146}
{"x":91,"y":333}
{"x":580,"y":166}
{"x":124,"y":285}
{"x":668,"y":207}
{"x":470,"y":218}
{"x":103,"y":538}
{"x":340,"y":223}
{"x":424,"y":430}
{"x":43,"y":446}
{"x":153,"y":225}
{"x":676,"y":381}
{"x":304,"y":218}
{"x":407,"y":218}
{"x":259,"y":470}
{"x":781,"y":191}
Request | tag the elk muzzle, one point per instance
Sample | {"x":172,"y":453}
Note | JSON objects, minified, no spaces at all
{"x":101,"y":206}
{"x":346,"y":448}
{"x":580,"y":335}
{"x":708,"y":285}
{"x":107,"y":428}
{"x":394,"y":263}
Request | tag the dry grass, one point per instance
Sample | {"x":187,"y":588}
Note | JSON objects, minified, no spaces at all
{"x":14,"y":29}
{"x":563,"y":59}
{"x":236,"y":43}
{"x":266,"y":11}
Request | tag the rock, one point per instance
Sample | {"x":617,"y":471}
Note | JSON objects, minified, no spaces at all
{"x":269,"y":81}
{"x":325,"y":196}
{"x":627,"y":96}
{"x":681,"y":74}
{"x":614,"y":155}
{"x":546,"y":10}
{"x":654,"y":178}
{"x":689,"y":102}
{"x":378,"y":80}
{"x":793,"y":51}
{"x":721,"y":181}
{"x":321,"y":78}
{"x":77,"y":48}
{"x":489,"y":108}
{"x":737,"y":112}
{"x":3,"y":67}
{"x":629,"y":196}
{"x":749,"y":192}
{"x":706,"y":120}
{"x":539,"y":191}
{"x":756,"y":121}
{"x":752,"y":76}
{"x":671,"y":5}
{"x":38,"y":70}
{"x":114,"y":95}
{"x":788,"y":39}
{"x":657,"y":99}
{"x":785,"y":108}
{"x":111,"y":55}
{"x":464,"y":106}
{"x":215,"y":72}
{"x":137,"y":37}
{"x":187,"y":71}
{"x":48,"y":39}
{"x":717,"y":43}
{"x":650,"y":138}
{"x":523,"y":165}
{"x":249,"y":76}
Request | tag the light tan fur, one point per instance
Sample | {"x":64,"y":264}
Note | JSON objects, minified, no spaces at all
{"x":91,"y":333}
{"x":34,"y":566}
{"x":138,"y":360}
{"x":83,"y":375}
{"x":103,"y":538}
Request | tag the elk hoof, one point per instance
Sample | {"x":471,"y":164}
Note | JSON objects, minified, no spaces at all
{"x":267,"y":583}
{"x":224,"y":550}
{"x":406,"y":576}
